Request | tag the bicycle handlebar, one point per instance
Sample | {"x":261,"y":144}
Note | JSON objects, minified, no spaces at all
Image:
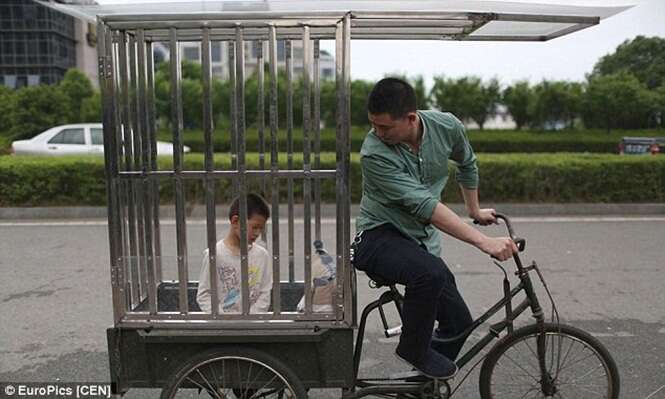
{"x":520,"y":242}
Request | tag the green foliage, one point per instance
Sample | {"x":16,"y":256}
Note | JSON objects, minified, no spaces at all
{"x":563,"y":178}
{"x":91,"y":108}
{"x":517,"y":99}
{"x":38,"y":108}
{"x":643,"y":57}
{"x":486,"y":103}
{"x":468,"y":98}
{"x":457,"y":96}
{"x":557,"y":104}
{"x":7,"y":104}
{"x":77,"y":87}
{"x":494,"y":141}
{"x":617,"y":101}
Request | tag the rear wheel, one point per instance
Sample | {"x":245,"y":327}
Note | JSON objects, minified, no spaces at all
{"x":578,"y":366}
{"x":234,"y":373}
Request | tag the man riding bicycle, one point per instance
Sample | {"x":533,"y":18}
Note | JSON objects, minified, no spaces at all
{"x":404,"y":160}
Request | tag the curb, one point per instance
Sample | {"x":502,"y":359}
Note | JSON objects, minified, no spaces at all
{"x":328,"y":210}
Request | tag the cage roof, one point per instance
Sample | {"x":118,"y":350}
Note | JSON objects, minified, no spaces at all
{"x":370,"y":19}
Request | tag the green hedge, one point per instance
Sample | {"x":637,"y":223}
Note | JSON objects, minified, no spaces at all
{"x":28,"y":181}
{"x":492,"y":141}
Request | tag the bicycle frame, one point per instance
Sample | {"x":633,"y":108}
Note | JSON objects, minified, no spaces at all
{"x":393,"y":295}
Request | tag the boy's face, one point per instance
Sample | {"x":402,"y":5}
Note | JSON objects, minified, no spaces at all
{"x":255,"y":226}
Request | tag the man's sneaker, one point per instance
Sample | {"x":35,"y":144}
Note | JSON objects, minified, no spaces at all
{"x":432,"y":364}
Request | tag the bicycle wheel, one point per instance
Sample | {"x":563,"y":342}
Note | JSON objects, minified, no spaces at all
{"x":234,"y":372}
{"x":578,"y":364}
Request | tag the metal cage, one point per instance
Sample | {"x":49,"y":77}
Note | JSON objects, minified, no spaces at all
{"x":127,"y":77}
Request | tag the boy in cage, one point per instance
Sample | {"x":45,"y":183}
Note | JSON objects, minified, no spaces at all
{"x":228,"y":263}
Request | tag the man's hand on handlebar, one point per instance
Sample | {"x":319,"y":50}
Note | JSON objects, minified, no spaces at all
{"x":501,"y":248}
{"x":484,"y":217}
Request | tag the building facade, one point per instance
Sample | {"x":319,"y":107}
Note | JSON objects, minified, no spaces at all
{"x":38,"y":44}
{"x":219,"y":57}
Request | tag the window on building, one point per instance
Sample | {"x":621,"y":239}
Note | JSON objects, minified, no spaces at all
{"x":216,"y":52}
{"x":21,"y":81}
{"x":10,"y":81}
{"x":69,"y":136}
{"x":191,"y":53}
{"x":281,"y":50}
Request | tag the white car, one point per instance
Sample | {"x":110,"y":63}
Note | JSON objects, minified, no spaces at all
{"x":77,"y":139}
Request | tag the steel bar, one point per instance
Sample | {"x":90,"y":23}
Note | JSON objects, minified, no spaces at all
{"x":261,"y":121}
{"x":136,"y":135}
{"x":119,"y":158}
{"x":274,"y":168}
{"x":146,"y":197}
{"x":307,"y":182}
{"x":113,"y":66}
{"x":154,"y":186}
{"x":131,"y":257}
{"x":566,"y":31}
{"x":289,"y":152}
{"x":223,"y":320}
{"x":193,"y":174}
{"x":109,"y":96}
{"x":234,"y":116}
{"x":211,"y":217}
{"x":282,"y":19}
{"x":317,"y":139}
{"x":344,"y":269}
{"x":176,"y":127}
{"x":241,"y":180}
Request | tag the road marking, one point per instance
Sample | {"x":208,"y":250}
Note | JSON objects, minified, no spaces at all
{"x":655,"y":392}
{"x":619,"y":334}
{"x":332,"y":221}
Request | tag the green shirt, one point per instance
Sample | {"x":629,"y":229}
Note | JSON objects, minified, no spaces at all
{"x":403,"y":188}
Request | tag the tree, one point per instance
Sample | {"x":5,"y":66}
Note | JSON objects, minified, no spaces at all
{"x":485,"y":105}
{"x":557,"y":104}
{"x":518,"y":99}
{"x":660,"y":105}
{"x":77,"y":87}
{"x":457,"y":96}
{"x":617,"y":101}
{"x":644,"y":57}
{"x":467,"y":98}
{"x":38,"y":108}
{"x":91,"y":108}
{"x":7,"y":105}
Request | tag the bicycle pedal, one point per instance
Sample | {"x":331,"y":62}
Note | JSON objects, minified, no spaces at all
{"x":406,"y":374}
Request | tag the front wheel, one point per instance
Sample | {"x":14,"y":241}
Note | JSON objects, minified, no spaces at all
{"x":577,"y":364}
{"x":234,"y":373}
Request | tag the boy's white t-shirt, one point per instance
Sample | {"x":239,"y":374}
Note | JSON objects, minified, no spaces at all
{"x":229,"y":280}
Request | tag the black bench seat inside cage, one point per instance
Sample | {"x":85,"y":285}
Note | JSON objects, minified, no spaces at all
{"x":167,"y":297}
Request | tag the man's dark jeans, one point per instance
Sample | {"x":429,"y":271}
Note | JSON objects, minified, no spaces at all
{"x":431,"y":292}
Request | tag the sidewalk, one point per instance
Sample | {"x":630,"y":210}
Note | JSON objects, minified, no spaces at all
{"x":328,"y":211}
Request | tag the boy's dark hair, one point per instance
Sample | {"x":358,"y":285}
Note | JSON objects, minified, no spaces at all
{"x":392,"y":96}
{"x":256,"y":205}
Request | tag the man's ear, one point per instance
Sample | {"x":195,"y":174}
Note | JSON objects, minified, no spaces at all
{"x":412,"y":116}
{"x":235,"y":219}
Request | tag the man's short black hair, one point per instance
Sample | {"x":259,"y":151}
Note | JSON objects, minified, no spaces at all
{"x":392,"y":96}
{"x":256,"y":205}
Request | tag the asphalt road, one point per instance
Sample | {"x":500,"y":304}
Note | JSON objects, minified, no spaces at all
{"x":606,"y":274}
